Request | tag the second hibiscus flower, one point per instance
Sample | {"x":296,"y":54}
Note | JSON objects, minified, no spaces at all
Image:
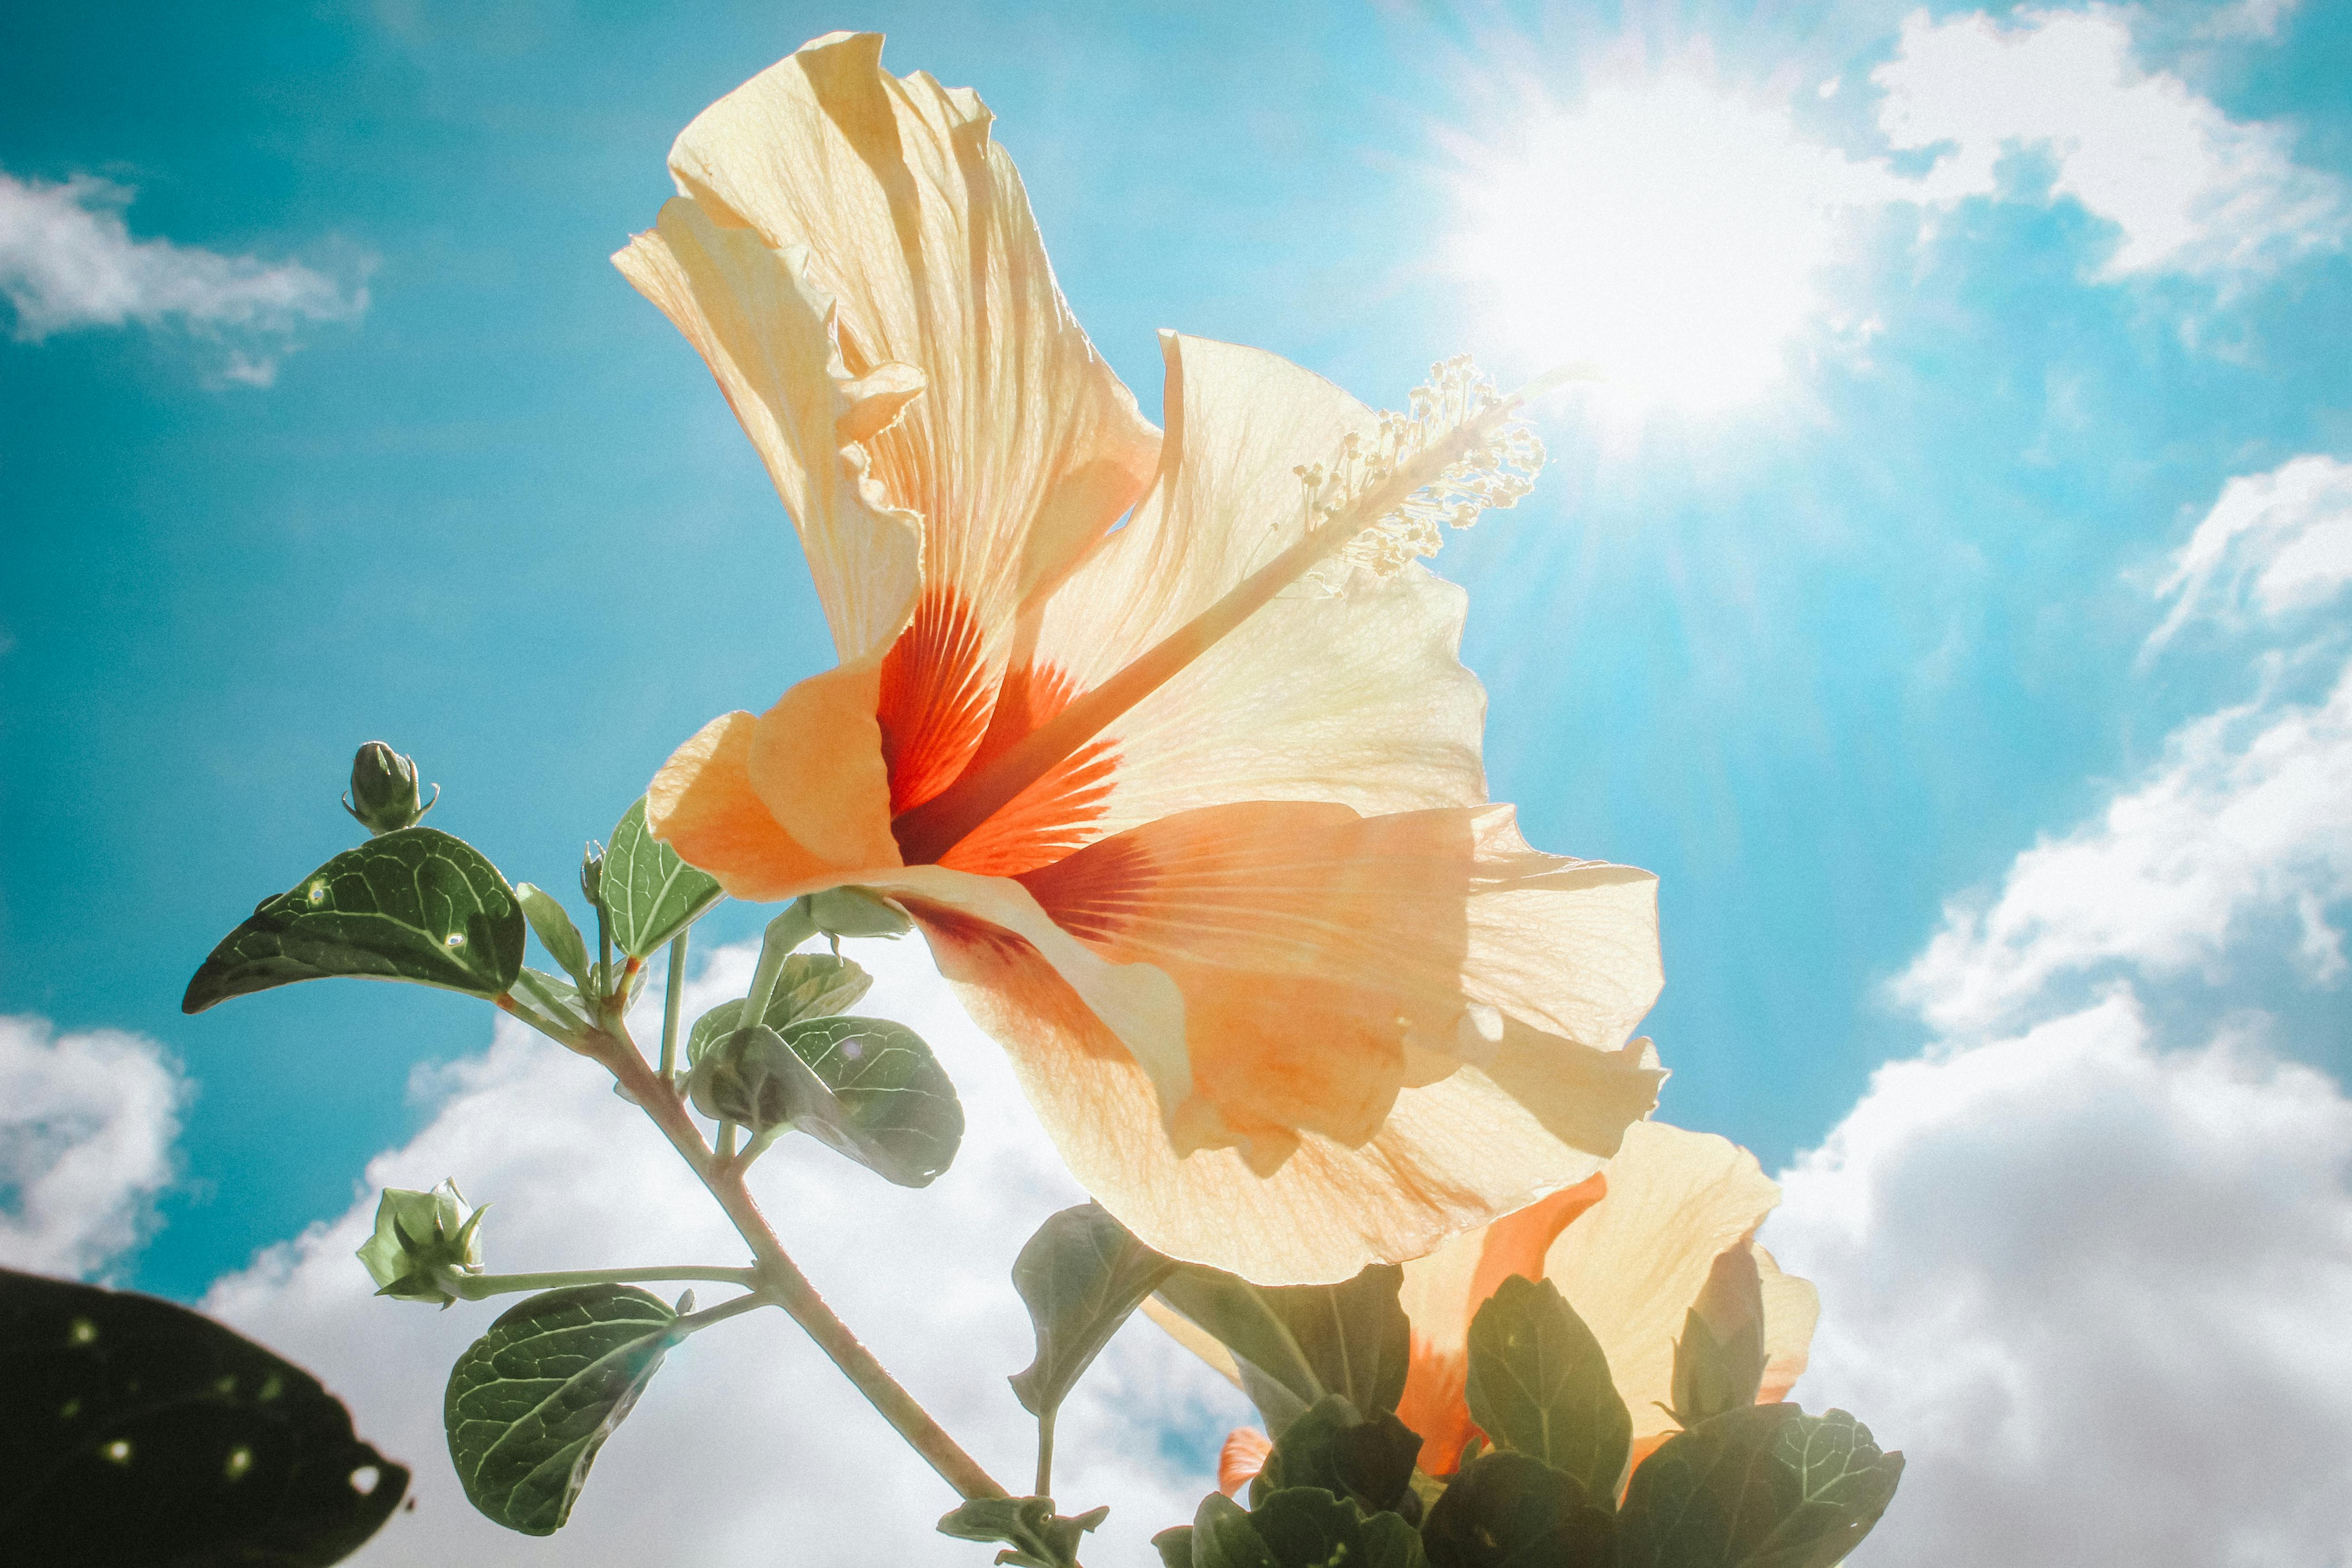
{"x":1191,"y":808}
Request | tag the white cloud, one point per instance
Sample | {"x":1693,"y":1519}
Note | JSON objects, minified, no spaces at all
{"x":2192,"y":190}
{"x":67,"y":261}
{"x":86,"y":1123}
{"x":2274,"y":544}
{"x":2096,"y":1291}
{"x":749,"y":1448}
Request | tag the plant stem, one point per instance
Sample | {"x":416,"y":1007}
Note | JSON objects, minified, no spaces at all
{"x":476,"y":1287}
{"x":696,"y":1322}
{"x":780,"y":1280}
{"x":1045,"y":1453}
{"x":673,"y":995}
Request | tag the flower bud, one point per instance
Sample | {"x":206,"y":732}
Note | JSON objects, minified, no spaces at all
{"x":1720,"y":1360}
{"x":592,"y":874}
{"x":383,"y":795}
{"x":422,"y":1242}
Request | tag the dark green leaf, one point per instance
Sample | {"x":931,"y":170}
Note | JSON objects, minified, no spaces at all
{"x":893,"y":1107}
{"x":531,"y":1401}
{"x":1297,"y":1342}
{"x":1081,"y":1276}
{"x":1508,"y":1510}
{"x":555,"y":930}
{"x":416,"y":904}
{"x":1390,"y":1542}
{"x":1306,"y":1527}
{"x":1224,"y":1537}
{"x":140,"y":1433}
{"x":811,"y":985}
{"x":1540,"y":1383}
{"x":1035,"y":1536}
{"x":1334,"y":1447}
{"x":1764,"y":1487}
{"x":1174,"y":1546}
{"x":651,"y":894}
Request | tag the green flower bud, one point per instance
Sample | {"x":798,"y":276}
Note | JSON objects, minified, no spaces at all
{"x":383,"y":794}
{"x":592,"y":874}
{"x":857,"y":911}
{"x":423,"y":1241}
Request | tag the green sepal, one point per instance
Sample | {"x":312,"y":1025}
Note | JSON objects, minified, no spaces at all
{"x":650,"y":893}
{"x":1296,"y":1343}
{"x":868,"y":1088}
{"x":140,"y":1431}
{"x":1509,"y":1510}
{"x":555,"y":930}
{"x":810,"y":985}
{"x":1033,"y":1534}
{"x":1081,"y":1276}
{"x":421,"y":1239}
{"x":857,"y":911}
{"x":1335,"y":1447}
{"x":530,"y":1402}
{"x":1715,"y":1376}
{"x":414,"y":904}
{"x":1539,"y":1384}
{"x":1763,"y":1487}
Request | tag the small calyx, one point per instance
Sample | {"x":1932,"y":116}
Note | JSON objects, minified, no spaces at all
{"x":423,"y":1244}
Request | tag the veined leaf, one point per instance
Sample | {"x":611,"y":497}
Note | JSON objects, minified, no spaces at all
{"x":140,"y":1431}
{"x":531,"y":1401}
{"x":1508,"y":1510}
{"x":416,"y":904}
{"x":650,"y":893}
{"x":868,"y":1088}
{"x":1297,"y":1342}
{"x":811,"y":985}
{"x":1081,"y":1276}
{"x":1333,"y":1446}
{"x":1539,"y":1384}
{"x":1763,"y":1487}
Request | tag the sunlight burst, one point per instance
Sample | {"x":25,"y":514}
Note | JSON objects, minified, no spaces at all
{"x":1665,"y":230}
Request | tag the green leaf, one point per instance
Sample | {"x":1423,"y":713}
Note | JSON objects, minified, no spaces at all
{"x":1037,"y":1536}
{"x":559,"y":999}
{"x":1336,"y":1448}
{"x":531,"y":1401}
{"x":1711,"y":1375}
{"x":811,"y":985}
{"x":1540,"y":1383}
{"x":139,"y":1431}
{"x":1224,"y":1537}
{"x":1174,"y":1546}
{"x":1764,"y":1487}
{"x":555,"y":930}
{"x":416,"y":904}
{"x":1512,"y":1511}
{"x":1297,"y":1342}
{"x":1081,"y":1276}
{"x":650,"y":893}
{"x":868,"y":1088}
{"x":1306,"y":1527}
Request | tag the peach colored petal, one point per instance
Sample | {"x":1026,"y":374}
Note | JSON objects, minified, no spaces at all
{"x":766,"y":332}
{"x":1792,"y":1308}
{"x":817,"y":765}
{"x":1023,"y":447}
{"x":1243,"y":1456}
{"x":1634,"y":1264}
{"x":702,"y":805}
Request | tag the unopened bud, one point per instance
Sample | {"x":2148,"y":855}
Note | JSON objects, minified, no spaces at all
{"x":423,"y":1242}
{"x":592,"y":874}
{"x":1720,"y":1360}
{"x":383,"y":794}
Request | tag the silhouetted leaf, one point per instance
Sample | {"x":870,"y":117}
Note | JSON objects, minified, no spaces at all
{"x":1335,"y":1447}
{"x":416,"y":904}
{"x":1035,"y":1536}
{"x":1540,"y":1383}
{"x":531,"y":1401}
{"x":1763,"y":1487}
{"x":1081,"y":1276}
{"x":1508,"y":1509}
{"x":139,"y":1432}
{"x":1297,"y":1342}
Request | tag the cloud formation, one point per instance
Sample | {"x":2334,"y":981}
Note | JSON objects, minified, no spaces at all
{"x":67,"y":261}
{"x":87,"y":1124}
{"x":2274,"y":545}
{"x":2191,"y":190}
{"x":2088,"y":1258}
{"x":748,"y":1447}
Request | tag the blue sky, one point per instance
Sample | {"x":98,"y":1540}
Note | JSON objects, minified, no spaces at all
{"x":1825,"y":655}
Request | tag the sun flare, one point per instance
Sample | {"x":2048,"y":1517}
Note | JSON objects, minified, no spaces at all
{"x":1666,"y":231}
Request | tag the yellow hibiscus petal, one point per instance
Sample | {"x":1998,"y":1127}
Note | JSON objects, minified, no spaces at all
{"x":766,"y":334}
{"x":1791,"y":1309}
{"x":1634,"y":1264}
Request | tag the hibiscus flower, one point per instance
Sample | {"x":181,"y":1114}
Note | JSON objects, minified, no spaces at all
{"x":1163,"y":740}
{"x":1667,"y":1225}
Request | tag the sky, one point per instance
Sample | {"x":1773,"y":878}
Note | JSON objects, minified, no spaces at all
{"x":1945,"y":593}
